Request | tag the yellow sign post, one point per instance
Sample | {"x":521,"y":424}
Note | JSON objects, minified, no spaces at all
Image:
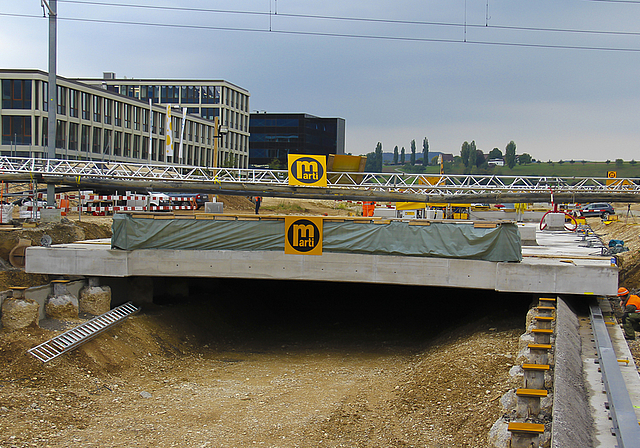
{"x":307,"y":170}
{"x":302,"y":235}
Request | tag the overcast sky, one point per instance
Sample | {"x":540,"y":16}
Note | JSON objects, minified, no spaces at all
{"x":560,"y":78}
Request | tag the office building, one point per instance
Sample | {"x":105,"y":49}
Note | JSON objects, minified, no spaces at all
{"x":274,"y":136}
{"x":96,"y":121}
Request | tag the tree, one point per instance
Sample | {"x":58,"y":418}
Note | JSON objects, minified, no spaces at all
{"x":480,"y":158}
{"x":633,"y":162}
{"x":510,"y":154}
{"x":473,"y":154}
{"x":395,"y":155}
{"x":524,"y":158}
{"x":402,"y":156}
{"x":425,"y":152}
{"x":413,"y":152}
{"x":379,"y":157}
{"x":495,"y":153}
{"x":619,"y":163}
{"x":374,"y":160}
{"x":464,"y":154}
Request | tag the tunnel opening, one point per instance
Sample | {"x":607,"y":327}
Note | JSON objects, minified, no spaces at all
{"x":272,"y":313}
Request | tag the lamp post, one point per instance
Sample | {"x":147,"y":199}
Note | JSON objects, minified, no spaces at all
{"x":53,"y":92}
{"x":219,"y":132}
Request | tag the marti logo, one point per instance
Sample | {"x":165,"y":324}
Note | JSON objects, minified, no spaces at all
{"x":307,"y":170}
{"x":303,"y":236}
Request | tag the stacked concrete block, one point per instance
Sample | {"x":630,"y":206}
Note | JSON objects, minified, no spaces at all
{"x":532,"y":398}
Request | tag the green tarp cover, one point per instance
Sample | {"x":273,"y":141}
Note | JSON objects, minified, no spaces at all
{"x":440,"y":239}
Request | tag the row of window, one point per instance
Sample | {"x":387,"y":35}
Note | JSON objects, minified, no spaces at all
{"x":167,"y":94}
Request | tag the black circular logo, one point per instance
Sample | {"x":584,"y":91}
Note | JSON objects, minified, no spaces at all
{"x":303,"y":235}
{"x":307,"y":170}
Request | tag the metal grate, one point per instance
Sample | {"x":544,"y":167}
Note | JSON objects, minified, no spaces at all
{"x":74,"y":338}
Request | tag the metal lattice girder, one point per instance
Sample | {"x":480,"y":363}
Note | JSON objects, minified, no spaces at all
{"x":422,"y":187}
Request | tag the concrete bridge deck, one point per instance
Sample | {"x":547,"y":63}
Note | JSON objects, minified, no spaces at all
{"x":556,"y":265}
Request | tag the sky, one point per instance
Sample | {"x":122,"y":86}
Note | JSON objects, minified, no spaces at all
{"x":559,"y":78}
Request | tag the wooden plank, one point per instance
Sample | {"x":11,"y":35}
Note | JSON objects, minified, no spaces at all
{"x":540,"y":346}
{"x":531,"y":392}
{"x":533,"y":428}
{"x":535,"y":366}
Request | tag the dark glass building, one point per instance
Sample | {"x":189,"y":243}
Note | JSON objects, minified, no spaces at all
{"x":274,"y":136}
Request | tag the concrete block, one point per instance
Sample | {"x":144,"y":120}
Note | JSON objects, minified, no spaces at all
{"x":213,"y":207}
{"x":527,"y":235}
{"x":50,"y":215}
{"x":555,"y":221}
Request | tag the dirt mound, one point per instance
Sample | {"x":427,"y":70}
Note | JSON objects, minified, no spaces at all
{"x":629,"y":232}
{"x":183,"y":375}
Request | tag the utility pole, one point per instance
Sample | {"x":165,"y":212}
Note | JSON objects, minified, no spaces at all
{"x":50,"y":5}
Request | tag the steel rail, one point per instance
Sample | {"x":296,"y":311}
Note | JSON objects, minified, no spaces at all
{"x":374,"y":186}
{"x":623,"y":416}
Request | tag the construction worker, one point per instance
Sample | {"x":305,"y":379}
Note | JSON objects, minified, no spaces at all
{"x":630,"y":304}
{"x":258,"y":202}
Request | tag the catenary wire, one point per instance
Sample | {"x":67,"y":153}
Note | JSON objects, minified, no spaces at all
{"x":360,"y":19}
{"x":339,"y":35}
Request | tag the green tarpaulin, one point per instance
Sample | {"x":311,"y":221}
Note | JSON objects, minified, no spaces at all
{"x":440,"y":239}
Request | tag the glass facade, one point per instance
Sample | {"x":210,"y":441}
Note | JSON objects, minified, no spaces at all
{"x":115,"y":122}
{"x":275,"y":136}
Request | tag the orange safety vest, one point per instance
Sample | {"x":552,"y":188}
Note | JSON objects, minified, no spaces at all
{"x":634,"y":300}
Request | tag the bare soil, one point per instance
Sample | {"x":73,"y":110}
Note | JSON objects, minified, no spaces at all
{"x":205,"y":374}
{"x":254,"y":365}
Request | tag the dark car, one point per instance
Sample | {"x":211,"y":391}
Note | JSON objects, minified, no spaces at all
{"x":601,"y":209}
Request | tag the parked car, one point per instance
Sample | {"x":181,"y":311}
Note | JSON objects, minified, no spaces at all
{"x":601,"y":209}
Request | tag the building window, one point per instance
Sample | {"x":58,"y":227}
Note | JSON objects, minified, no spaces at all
{"x":108,"y":110}
{"x":169,"y":94}
{"x":136,"y":146}
{"x":73,"y":104}
{"x":85,"y":139}
{"x":95,"y":147}
{"x":117,"y":109}
{"x":62,"y":100}
{"x":127,"y":145}
{"x":145,"y":120}
{"x":210,"y":113}
{"x":147,"y":92}
{"x":16,"y":94}
{"x":85,"y":100}
{"x":97,"y":108}
{"x":45,"y":132}
{"x":190,"y":95}
{"x":136,"y":118}
{"x":210,"y":94}
{"x":117,"y":143}
{"x":45,"y":96}
{"x":127,"y":116}
{"x":106,"y":143}
{"x":16,"y":130}
{"x":128,"y":91}
{"x":73,"y":136}
{"x":61,"y":134}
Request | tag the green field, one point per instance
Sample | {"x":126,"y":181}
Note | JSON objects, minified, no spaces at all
{"x":566,"y":169}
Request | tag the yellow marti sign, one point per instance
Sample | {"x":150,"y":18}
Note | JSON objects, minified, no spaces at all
{"x":307,"y":170}
{"x":302,"y":235}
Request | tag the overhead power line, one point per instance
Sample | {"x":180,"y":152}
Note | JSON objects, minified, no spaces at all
{"x":360,"y":19}
{"x":345,"y":35}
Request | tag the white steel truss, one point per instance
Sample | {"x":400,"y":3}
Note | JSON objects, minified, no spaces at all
{"x":445,"y":184}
